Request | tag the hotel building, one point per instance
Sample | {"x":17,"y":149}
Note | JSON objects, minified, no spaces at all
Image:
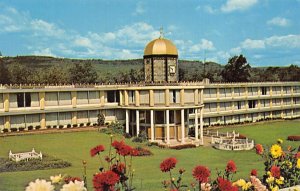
{"x":161,"y":106}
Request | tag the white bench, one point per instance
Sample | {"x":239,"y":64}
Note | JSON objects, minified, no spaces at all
{"x":25,"y":156}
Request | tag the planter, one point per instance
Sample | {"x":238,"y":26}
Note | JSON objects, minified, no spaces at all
{"x":293,"y":188}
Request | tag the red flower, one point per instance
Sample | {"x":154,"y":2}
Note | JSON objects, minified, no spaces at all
{"x":168,"y":164}
{"x":105,"y":181}
{"x":96,"y":150}
{"x":297,"y":155}
{"x":275,"y":171}
{"x":259,"y":149}
{"x":231,"y":168}
{"x":225,"y":185}
{"x":201,"y":173}
{"x":253,"y":172}
{"x":134,"y":152}
{"x":118,"y":168}
{"x":71,"y":179}
{"x":122,"y":148}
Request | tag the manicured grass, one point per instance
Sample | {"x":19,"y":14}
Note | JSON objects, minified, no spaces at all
{"x":75,"y":147}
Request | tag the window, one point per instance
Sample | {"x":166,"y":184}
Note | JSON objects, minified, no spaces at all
{"x":24,"y":99}
{"x":263,"y":91}
{"x":239,"y":105}
{"x":113,"y":96}
{"x":252,"y":103}
{"x":174,"y":96}
{"x":159,"y":117}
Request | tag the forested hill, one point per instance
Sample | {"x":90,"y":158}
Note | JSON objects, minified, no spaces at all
{"x":42,"y":69}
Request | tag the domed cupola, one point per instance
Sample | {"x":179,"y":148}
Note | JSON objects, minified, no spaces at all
{"x":161,"y":61}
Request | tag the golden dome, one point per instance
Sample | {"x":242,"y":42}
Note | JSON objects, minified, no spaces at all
{"x":160,"y":46}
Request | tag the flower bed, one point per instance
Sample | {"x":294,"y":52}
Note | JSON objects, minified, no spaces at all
{"x":48,"y":162}
{"x":294,"y":138}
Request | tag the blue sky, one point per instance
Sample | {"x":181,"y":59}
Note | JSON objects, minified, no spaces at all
{"x":267,"y":32}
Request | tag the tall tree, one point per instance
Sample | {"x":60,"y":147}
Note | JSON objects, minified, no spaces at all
{"x":19,"y":74}
{"x":4,"y":73}
{"x":237,"y":70}
{"x":83,"y":73}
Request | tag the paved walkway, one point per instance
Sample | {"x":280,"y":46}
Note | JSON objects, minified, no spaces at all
{"x":49,"y":131}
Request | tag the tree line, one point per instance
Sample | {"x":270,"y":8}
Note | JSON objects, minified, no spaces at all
{"x":236,"y":70}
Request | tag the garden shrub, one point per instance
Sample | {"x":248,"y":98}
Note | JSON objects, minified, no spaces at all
{"x":241,"y":136}
{"x":95,"y":124}
{"x":142,"y":137}
{"x":60,"y":126}
{"x":5,"y":130}
{"x":179,"y":147}
{"x":47,"y":162}
{"x":127,"y":135}
{"x":13,"y":129}
{"x":101,"y":119}
{"x":75,"y":125}
{"x":294,"y":138}
{"x":88,"y":124}
{"x":113,"y":128}
{"x":81,"y":124}
{"x":21,"y":128}
{"x":69,"y":126}
{"x":37,"y":127}
{"x":54,"y":126}
{"x":30,"y":127}
{"x":143,"y":151}
{"x":48,"y":126}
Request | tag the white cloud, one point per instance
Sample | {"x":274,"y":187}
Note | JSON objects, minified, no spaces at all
{"x":44,"y":52}
{"x":203,"y":45}
{"x":41,"y":27}
{"x":83,"y":42}
{"x":287,"y":41}
{"x":209,"y":9}
{"x":139,"y":9}
{"x":235,"y":5}
{"x":235,"y":51}
{"x":279,"y":21}
{"x":253,"y":44}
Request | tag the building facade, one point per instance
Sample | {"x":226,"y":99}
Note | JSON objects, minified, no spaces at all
{"x":167,"y":110}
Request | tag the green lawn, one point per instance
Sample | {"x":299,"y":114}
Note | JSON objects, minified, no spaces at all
{"x":74,"y":147}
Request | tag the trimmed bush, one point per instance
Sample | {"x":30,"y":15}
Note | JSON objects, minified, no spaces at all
{"x":241,"y":136}
{"x":60,"y":126}
{"x":81,"y":124}
{"x":294,"y":138}
{"x":37,"y":127}
{"x":75,"y":125}
{"x":21,"y":128}
{"x":30,"y":127}
{"x":69,"y":126}
{"x":54,"y":126}
{"x":88,"y":123}
{"x":13,"y":129}
{"x":48,"y":126}
{"x":95,"y":124}
{"x":127,"y":135}
{"x":5,"y":130}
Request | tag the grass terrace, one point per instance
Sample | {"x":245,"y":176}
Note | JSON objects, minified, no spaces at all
{"x":75,"y":147}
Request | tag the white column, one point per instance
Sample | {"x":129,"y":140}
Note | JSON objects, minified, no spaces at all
{"x":127,"y":121}
{"x":137,"y":115}
{"x":152,"y":125}
{"x":168,"y":125}
{"x":196,"y":125}
{"x":182,"y":126}
{"x":201,"y":125}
